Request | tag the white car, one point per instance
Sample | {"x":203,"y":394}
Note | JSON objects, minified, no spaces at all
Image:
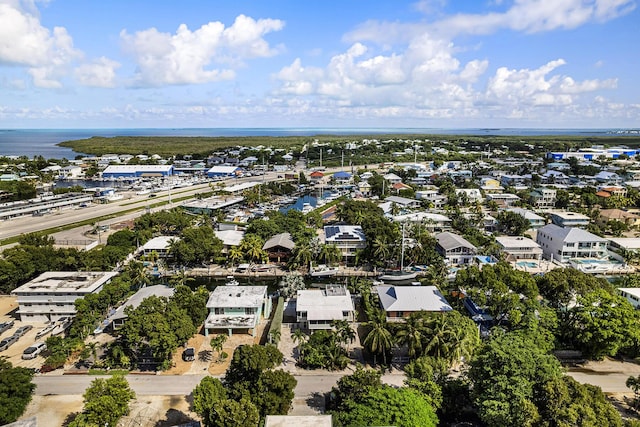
{"x":33,"y":351}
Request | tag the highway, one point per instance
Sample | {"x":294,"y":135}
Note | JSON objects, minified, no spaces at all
{"x":30,"y":224}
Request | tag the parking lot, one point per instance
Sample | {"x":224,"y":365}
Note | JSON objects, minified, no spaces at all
{"x":8,"y":309}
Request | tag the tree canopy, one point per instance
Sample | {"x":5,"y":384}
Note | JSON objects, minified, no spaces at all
{"x":16,"y":389}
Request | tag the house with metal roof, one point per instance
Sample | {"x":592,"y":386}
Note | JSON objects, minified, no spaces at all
{"x":455,"y":249}
{"x":317,"y":308}
{"x":237,"y":307}
{"x":119,"y":317}
{"x":535,"y":220}
{"x":279,"y":247}
{"x":399,"y":302}
{"x":563,"y":243}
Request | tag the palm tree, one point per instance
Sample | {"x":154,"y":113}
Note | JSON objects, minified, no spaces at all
{"x":234,"y":255}
{"x":299,"y":336}
{"x":379,"y":339}
{"x":380,"y":249}
{"x":251,"y":245}
{"x":217,"y":344}
{"x":411,"y":334}
{"x":274,"y":336}
{"x":344,"y":332}
{"x":137,"y":274}
{"x":331,"y":254}
{"x":302,"y":255}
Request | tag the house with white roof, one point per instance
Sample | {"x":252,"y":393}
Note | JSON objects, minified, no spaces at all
{"x":137,"y":171}
{"x":569,"y":219}
{"x":563,"y":243}
{"x":236,"y":307}
{"x":431,"y":221}
{"x":519,"y":247}
{"x":317,"y":308}
{"x":159,"y":245}
{"x":455,"y":249}
{"x":392,"y":178}
{"x":223,"y":171}
{"x":403,"y":202}
{"x":535,"y":220}
{"x":399,"y":302}
{"x":348,"y":238}
{"x":52,"y":295}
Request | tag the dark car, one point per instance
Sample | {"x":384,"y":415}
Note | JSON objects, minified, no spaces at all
{"x":23,"y":330}
{"x":8,"y":342}
{"x":189,"y":354}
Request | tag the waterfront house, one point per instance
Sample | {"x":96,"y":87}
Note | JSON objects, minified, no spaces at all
{"x":348,"y":238}
{"x":279,"y":247}
{"x":399,"y":302}
{"x":317,"y":308}
{"x":454,"y":248}
{"x":519,"y":248}
{"x":236,"y":308}
{"x":563,"y":243}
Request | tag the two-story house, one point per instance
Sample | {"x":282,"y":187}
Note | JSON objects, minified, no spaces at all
{"x":348,"y":238}
{"x":454,"y":248}
{"x":564,"y":243}
{"x":519,"y":247}
{"x":236,"y":307}
{"x":569,"y":219}
{"x":317,"y":308}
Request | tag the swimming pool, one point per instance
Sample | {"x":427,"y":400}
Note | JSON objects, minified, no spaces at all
{"x":527,"y":264}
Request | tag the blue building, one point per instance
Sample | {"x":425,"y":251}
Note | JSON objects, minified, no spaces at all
{"x":137,"y":171}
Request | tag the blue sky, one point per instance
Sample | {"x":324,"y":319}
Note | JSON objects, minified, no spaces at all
{"x":292,"y":63}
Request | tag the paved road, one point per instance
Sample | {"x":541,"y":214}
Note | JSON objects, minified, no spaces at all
{"x":30,"y":224}
{"x":172,"y":385}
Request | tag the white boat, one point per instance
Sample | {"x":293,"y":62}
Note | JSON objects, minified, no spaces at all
{"x":231,"y":281}
{"x":306,"y":207}
{"x":402,"y":274}
{"x":397,"y":276}
{"x":323,"y":270}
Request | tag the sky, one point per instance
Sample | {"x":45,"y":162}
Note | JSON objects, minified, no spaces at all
{"x":319,"y":64}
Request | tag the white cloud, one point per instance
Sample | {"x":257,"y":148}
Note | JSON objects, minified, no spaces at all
{"x":207,"y":54}
{"x":99,"y":73}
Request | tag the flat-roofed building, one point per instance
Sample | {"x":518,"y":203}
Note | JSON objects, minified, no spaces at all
{"x":236,"y":307}
{"x":137,"y":171}
{"x":317,"y":308}
{"x":569,"y":219}
{"x":159,"y":245}
{"x":52,"y":295}
{"x":348,"y":238}
{"x":518,"y":247}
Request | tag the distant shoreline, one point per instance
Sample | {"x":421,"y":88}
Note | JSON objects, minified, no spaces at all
{"x":45,"y":142}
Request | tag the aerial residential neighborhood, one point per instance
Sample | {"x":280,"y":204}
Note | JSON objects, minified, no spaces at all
{"x":441,"y":260}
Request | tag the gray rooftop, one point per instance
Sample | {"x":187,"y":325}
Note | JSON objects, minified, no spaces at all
{"x":136,"y":299}
{"x":283,"y":240}
{"x":570,"y":234}
{"x":412,"y":298}
{"x":448,"y":241}
{"x":72,"y":282}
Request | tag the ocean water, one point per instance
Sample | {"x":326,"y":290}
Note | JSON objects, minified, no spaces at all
{"x":34,"y":142}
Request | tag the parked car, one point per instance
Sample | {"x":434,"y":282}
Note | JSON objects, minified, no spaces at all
{"x":5,"y":326}
{"x":189,"y":354}
{"x":8,"y":342}
{"x":23,"y":330}
{"x":34,"y":350}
